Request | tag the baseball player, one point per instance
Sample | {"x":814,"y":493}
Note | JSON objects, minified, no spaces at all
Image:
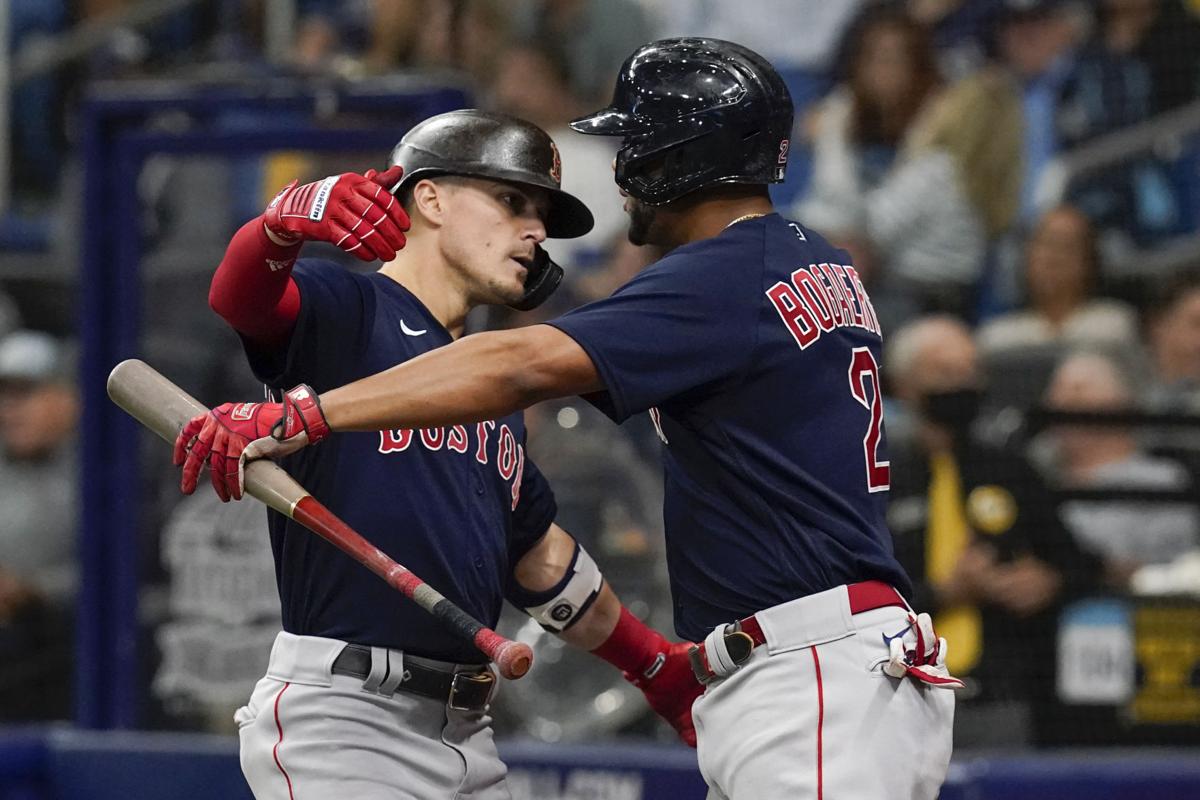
{"x":755,"y":349}
{"x":365,"y":695}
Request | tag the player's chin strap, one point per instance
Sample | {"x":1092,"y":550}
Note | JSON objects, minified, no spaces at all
{"x":543,"y":278}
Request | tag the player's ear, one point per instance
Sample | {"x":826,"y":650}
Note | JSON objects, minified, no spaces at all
{"x":429,"y":201}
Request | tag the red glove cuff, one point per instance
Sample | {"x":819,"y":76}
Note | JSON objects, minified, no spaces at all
{"x":284,"y":201}
{"x":633,"y":647}
{"x":302,"y":412}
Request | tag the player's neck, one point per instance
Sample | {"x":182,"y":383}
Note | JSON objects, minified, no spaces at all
{"x":421,"y":269}
{"x":708,"y":215}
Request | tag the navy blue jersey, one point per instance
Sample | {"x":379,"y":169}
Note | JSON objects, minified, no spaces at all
{"x":757,"y":354}
{"x":456,"y":505}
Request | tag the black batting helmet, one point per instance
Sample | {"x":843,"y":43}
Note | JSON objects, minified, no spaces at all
{"x":483,"y":144}
{"x":693,"y":113}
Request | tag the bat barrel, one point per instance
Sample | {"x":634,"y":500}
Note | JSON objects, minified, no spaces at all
{"x":151,"y":399}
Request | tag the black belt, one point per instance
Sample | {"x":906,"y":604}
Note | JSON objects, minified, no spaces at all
{"x":466,"y":690}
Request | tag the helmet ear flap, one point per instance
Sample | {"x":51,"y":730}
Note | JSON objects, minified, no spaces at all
{"x":541,"y":282}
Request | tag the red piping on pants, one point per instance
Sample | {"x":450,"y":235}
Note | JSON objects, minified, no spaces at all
{"x":279,"y":726}
{"x":820,"y":722}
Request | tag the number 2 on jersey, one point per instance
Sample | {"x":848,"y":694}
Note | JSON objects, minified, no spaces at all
{"x":862,"y":369}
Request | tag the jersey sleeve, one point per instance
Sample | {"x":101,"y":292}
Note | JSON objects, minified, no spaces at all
{"x":687,"y":322}
{"x":536,"y":509}
{"x":335,"y":316}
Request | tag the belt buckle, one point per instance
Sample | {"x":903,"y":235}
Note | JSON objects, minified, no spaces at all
{"x":699,"y":665}
{"x":465,"y":682}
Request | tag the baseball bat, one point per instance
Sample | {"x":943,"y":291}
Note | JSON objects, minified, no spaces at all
{"x":164,"y":408}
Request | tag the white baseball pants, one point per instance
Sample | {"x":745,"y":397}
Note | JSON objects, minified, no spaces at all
{"x":812,"y":716}
{"x":308,"y":734}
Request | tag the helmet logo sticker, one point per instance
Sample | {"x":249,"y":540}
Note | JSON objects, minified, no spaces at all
{"x":783,"y":150}
{"x":555,"y":165}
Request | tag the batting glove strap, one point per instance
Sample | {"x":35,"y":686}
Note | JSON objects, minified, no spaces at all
{"x":292,"y":203}
{"x":302,"y":414}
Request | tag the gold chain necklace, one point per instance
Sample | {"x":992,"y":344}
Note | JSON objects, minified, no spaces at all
{"x":743,"y":218}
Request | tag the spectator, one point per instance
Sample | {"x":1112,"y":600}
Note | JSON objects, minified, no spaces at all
{"x":596,"y":36}
{"x":1036,"y":40}
{"x":1174,"y":333}
{"x":1142,"y":60}
{"x":463,"y":35}
{"x":531,"y":81}
{"x":35,"y":120}
{"x":814,"y":28}
{"x":38,"y":415}
{"x":1163,"y":37}
{"x":959,"y":29}
{"x":976,"y":530}
{"x":912,"y":179}
{"x":858,"y":130}
{"x":1061,"y":275}
{"x":805,"y":57}
{"x":1127,"y":535}
{"x":330,"y":30}
{"x":123,"y":43}
{"x":353,"y":36}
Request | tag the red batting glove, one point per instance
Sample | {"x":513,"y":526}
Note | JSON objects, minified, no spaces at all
{"x":231,"y":434}
{"x":671,"y":688}
{"x":661,"y":669}
{"x":357,"y":213}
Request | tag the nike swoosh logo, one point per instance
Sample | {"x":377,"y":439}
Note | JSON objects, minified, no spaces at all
{"x":887,"y":640}
{"x":409,"y":331}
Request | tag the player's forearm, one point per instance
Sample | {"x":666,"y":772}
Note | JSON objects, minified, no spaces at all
{"x":545,"y":567}
{"x":252,"y":288}
{"x":596,"y":624}
{"x":480,"y":377}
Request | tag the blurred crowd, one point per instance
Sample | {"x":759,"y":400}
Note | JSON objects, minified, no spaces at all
{"x":1017,"y":181}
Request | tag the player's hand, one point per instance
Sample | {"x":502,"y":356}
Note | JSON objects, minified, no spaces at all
{"x":229,"y":435}
{"x":1027,"y":585}
{"x":671,"y":688}
{"x":357,"y":213}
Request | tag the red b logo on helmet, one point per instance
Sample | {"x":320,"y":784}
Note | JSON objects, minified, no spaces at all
{"x":555,"y":165}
